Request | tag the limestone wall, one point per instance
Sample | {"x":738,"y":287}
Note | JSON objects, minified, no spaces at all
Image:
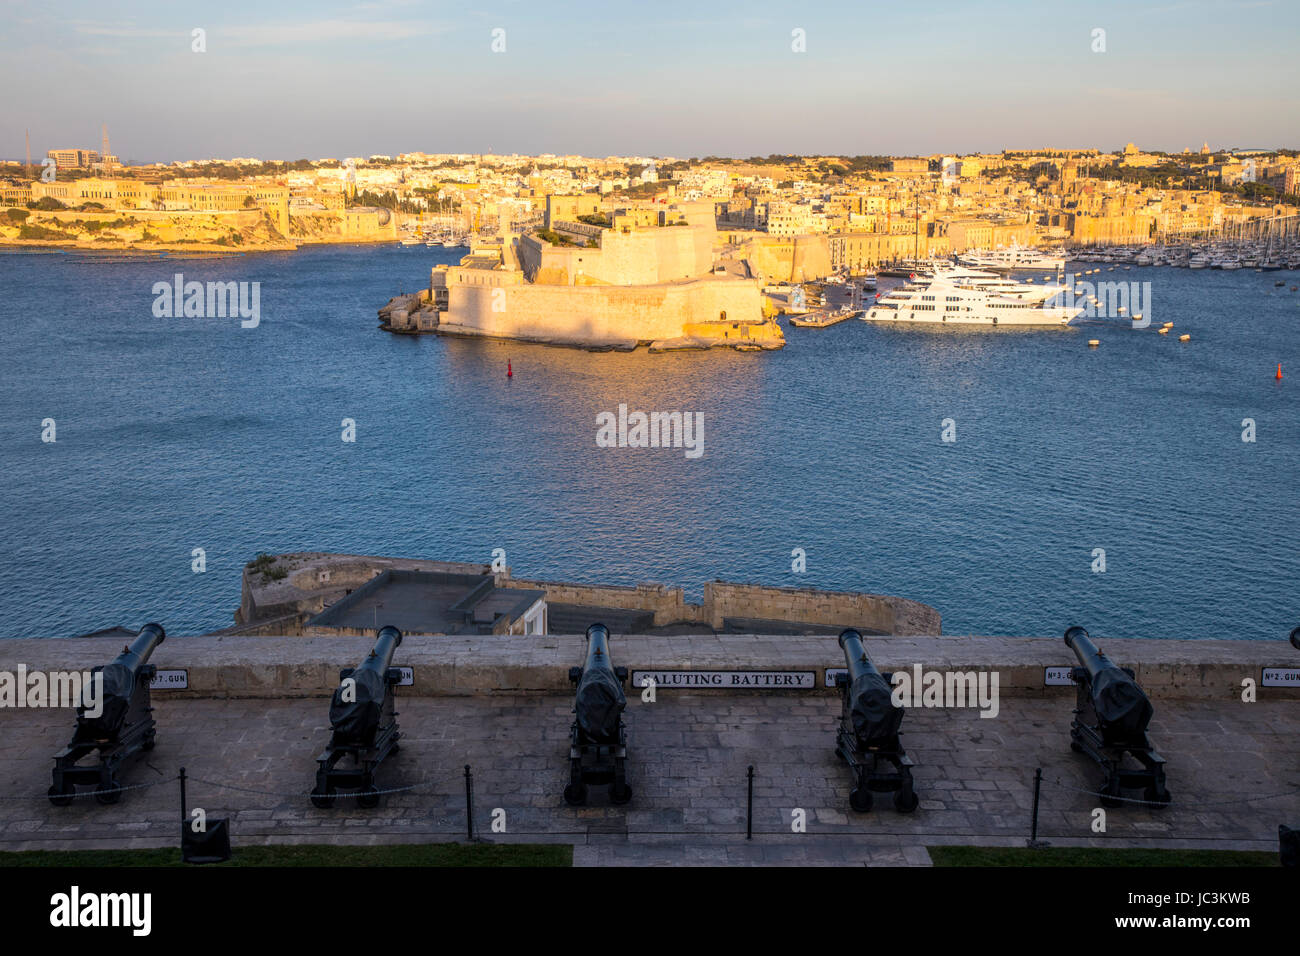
{"x":838,"y":609}
{"x":886,"y":613}
{"x":635,"y":257}
{"x":792,"y":259}
{"x":490,"y":665}
{"x":668,"y":604}
{"x":599,"y":315}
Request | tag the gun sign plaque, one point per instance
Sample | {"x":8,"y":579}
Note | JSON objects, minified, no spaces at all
{"x":170,"y":680}
{"x":726,"y":680}
{"x":1058,"y":677}
{"x":1281,"y":677}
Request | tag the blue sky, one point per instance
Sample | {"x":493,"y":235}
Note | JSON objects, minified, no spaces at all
{"x":289,"y":80}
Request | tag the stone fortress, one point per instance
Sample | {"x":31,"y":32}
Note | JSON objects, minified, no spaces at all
{"x":633,"y":276}
{"x":317,"y":594}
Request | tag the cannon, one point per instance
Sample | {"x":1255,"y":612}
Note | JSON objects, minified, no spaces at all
{"x":115,"y":717}
{"x":363,"y":725}
{"x":598,"y":737}
{"x":867,"y":738}
{"x":1111,"y":716}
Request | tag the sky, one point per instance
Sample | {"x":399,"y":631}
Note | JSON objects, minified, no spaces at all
{"x":291,"y":80}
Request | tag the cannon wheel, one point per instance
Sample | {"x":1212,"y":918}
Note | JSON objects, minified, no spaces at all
{"x":368,"y":796}
{"x":906,"y":800}
{"x":149,"y":742}
{"x":62,"y":797}
{"x":108,"y":792}
{"x":620,"y":793}
{"x":860,"y":799}
{"x":1157,"y":798}
{"x":575,"y":794}
{"x":323,"y":800}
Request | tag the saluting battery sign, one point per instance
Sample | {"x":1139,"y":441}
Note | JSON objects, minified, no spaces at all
{"x":726,"y":680}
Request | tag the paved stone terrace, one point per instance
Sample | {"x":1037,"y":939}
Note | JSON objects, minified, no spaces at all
{"x":688,"y":756}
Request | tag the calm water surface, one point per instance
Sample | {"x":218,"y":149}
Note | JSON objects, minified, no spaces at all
{"x":175,"y":434}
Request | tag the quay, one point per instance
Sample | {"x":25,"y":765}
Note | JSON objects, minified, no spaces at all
{"x":822,"y":320}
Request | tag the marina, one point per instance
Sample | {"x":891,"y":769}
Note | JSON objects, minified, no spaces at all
{"x":1014,"y":506}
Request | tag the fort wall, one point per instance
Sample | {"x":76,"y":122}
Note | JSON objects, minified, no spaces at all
{"x":497,"y":665}
{"x":613,"y":316}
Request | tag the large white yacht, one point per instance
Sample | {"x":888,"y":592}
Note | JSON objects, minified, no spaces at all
{"x":1012,"y":257}
{"x":943,"y":300}
{"x":999,"y":285}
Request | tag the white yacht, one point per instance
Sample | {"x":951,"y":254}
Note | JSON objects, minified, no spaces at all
{"x":1012,"y":257}
{"x":999,"y":285}
{"x":942,"y":300}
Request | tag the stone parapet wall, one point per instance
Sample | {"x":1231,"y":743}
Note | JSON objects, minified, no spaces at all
{"x":667,"y":604}
{"x":490,"y":665}
{"x":889,"y":615}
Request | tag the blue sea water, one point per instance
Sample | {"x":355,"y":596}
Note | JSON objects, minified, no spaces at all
{"x":176,"y":434}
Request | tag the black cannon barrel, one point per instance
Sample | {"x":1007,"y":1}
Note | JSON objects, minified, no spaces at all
{"x":599,"y":699}
{"x":358,"y":702}
{"x":141,"y":649}
{"x":115,"y":684}
{"x":380,"y":657}
{"x":1122,"y":707}
{"x":871,"y":706}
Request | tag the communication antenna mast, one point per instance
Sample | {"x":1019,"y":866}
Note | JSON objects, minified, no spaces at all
{"x":27,"y":170}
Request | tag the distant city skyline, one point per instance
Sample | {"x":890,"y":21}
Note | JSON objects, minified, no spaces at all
{"x":347,"y":79}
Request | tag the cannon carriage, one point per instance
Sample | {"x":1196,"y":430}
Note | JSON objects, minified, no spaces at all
{"x":114,"y":718}
{"x":598,"y":736}
{"x":363,"y":722}
{"x":867,"y":738}
{"x":1110,"y":720}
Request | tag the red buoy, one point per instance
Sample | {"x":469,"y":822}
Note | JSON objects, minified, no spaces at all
{"x":510,"y":372}
{"x":1278,"y":376}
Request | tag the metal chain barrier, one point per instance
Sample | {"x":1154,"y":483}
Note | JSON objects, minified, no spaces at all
{"x":1199,"y":805}
{"x":297,"y":793}
{"x":91,"y":793}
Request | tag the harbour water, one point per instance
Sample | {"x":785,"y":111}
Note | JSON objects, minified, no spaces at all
{"x":182,"y":433}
